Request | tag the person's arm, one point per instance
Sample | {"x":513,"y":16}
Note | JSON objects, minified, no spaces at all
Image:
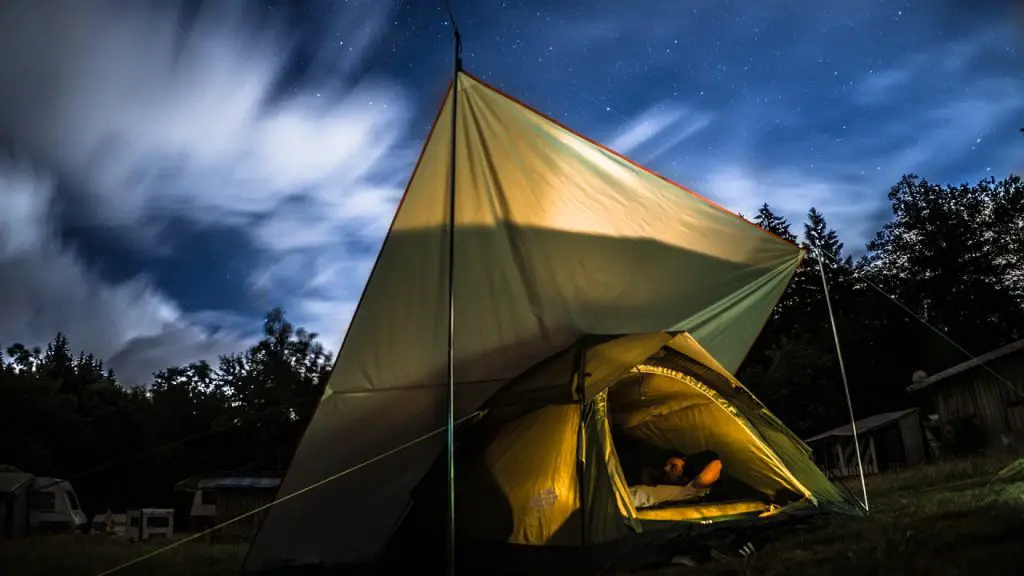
{"x":709,"y":475}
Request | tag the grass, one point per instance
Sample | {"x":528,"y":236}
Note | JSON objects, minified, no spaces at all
{"x":939,"y":519}
{"x":89,"y":555}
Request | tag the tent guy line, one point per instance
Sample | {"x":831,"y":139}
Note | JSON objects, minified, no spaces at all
{"x":276,"y":501}
{"x":837,"y":264}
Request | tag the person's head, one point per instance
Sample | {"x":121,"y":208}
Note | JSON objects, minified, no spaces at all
{"x":674,"y":466}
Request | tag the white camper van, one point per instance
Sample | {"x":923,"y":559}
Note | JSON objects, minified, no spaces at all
{"x":54,"y":506}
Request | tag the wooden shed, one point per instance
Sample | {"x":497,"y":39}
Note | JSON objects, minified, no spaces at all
{"x":987,"y":390}
{"x":15,"y":491}
{"x":888,"y":441}
{"x":228,"y":497}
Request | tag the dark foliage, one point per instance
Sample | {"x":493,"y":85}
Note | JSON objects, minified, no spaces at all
{"x":953,"y":255}
{"x":68,"y":417}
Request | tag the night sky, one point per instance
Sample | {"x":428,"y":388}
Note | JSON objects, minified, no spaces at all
{"x":175,"y":170}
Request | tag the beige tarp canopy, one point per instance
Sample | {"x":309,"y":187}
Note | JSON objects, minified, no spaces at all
{"x":556,"y":237}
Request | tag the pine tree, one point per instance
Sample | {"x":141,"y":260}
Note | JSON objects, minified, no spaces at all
{"x":768,"y":220}
{"x":823,"y":242}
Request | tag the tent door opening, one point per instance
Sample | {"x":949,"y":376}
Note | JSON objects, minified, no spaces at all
{"x":656,"y":412}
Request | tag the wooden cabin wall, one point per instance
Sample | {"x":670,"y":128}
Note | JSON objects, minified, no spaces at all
{"x":977,"y":393}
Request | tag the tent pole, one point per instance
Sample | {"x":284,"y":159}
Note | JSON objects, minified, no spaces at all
{"x":581,"y":439}
{"x":846,"y":384}
{"x":451,"y":294}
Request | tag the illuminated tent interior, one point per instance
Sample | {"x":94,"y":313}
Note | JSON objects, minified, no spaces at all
{"x":592,"y":297}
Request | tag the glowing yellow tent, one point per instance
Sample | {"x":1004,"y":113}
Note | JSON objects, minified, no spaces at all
{"x":577,"y":273}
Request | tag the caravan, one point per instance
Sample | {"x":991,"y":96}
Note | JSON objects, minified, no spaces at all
{"x":54,"y":506}
{"x":35,"y":503}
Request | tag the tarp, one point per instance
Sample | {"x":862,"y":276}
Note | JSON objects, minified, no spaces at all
{"x":556,"y":237}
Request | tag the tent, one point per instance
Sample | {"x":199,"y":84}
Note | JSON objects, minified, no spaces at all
{"x":575,"y":271}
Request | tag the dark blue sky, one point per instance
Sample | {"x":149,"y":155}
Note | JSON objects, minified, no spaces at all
{"x":180,"y":168}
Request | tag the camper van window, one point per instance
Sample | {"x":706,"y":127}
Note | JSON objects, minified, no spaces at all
{"x":44,"y":501}
{"x":72,"y":500}
{"x":209,"y":498}
{"x":158,"y":521}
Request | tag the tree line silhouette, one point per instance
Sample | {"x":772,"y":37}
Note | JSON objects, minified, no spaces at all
{"x":953,"y":255}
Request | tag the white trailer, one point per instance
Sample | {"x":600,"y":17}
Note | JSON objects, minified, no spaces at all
{"x":148,"y":522}
{"x":54,"y":506}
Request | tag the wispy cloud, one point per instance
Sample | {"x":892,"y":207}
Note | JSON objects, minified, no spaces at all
{"x":877,"y":87}
{"x":658,"y":130}
{"x":847,"y":204}
{"x":149,"y":122}
{"x":950,"y":60}
{"x":46,"y":287}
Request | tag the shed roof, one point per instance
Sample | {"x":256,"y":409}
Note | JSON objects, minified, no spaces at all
{"x":228,"y":482}
{"x":238,"y":482}
{"x":965,"y":366}
{"x":864,"y":425}
{"x":227,"y":479}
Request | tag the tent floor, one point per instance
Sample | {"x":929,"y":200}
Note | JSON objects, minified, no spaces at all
{"x":704,"y":510}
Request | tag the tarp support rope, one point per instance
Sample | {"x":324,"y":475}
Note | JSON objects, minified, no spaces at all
{"x":945,"y":337}
{"x":457,"y":67}
{"x":846,"y":384}
{"x":298,"y":492}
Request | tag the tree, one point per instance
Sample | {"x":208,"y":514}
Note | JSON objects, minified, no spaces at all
{"x":795,"y":381}
{"x":67,"y":416}
{"x":822,"y":242}
{"x":794,"y":364}
{"x":1007,"y":230}
{"x":769,"y":221}
{"x":939,"y":256}
{"x":280,"y":378}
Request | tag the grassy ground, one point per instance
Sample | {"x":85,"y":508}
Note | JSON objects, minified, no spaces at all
{"x":938,"y":520}
{"x":89,"y":555}
{"x":941,"y":519}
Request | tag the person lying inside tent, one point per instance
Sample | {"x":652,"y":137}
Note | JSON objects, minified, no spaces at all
{"x":682,"y":479}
